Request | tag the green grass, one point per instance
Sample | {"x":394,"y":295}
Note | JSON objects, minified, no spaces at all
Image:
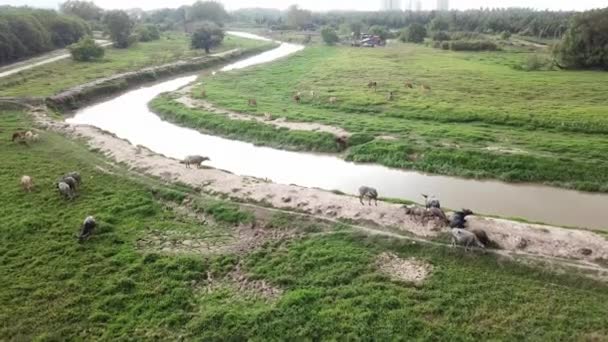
{"x":481,"y":119}
{"x":54,"y":77}
{"x":54,"y":288}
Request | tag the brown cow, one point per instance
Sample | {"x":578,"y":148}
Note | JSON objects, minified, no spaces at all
{"x":252,"y":102}
{"x":409,"y":84}
{"x":372,"y":84}
{"x":297,"y":98}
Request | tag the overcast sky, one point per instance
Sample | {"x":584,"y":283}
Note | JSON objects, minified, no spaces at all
{"x":322,"y":5}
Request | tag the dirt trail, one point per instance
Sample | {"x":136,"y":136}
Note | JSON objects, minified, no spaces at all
{"x":522,"y":238}
{"x":50,"y":57}
{"x":269,"y":119}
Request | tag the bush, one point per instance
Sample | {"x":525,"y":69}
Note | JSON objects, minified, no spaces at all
{"x":86,"y":50}
{"x":25,"y":32}
{"x":330,"y":37}
{"x":466,"y":35}
{"x":148,"y":33}
{"x":505,"y":35}
{"x":120,"y":27}
{"x":536,"y":63}
{"x":415,"y":33}
{"x":473,"y":45}
{"x":585,"y":44}
{"x":380,"y":31}
{"x":441,"y":36}
{"x":207,"y":36}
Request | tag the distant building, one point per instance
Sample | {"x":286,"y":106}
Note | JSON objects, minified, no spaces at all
{"x":409,"y":5}
{"x":418,"y":5}
{"x":391,"y":5}
{"x":443,"y":5}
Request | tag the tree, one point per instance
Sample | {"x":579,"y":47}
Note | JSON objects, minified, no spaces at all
{"x":206,"y":11}
{"x":585,"y":44}
{"x":380,"y":31}
{"x":439,"y":24}
{"x":120,"y":27}
{"x":330,"y":37}
{"x":415,"y":33}
{"x":207,"y":36}
{"x":147,"y":32}
{"x":298,"y":18}
{"x":86,"y":50}
{"x":86,"y":10}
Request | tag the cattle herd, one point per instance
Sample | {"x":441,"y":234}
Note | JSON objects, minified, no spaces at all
{"x":432,"y":211}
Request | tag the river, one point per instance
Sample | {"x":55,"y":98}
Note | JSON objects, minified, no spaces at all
{"x":128,"y":117}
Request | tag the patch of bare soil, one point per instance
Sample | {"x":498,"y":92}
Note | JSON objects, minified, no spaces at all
{"x":240,"y":281}
{"x":269,"y":119}
{"x":408,"y":270}
{"x":505,"y":150}
{"x":540,"y":240}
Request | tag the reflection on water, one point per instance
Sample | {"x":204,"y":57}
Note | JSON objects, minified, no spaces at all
{"x":128,"y":117}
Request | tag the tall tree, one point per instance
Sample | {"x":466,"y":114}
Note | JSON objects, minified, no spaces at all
{"x":120,"y":27}
{"x":298,"y":18}
{"x":207,"y":36}
{"x":585,"y":44}
{"x":86,"y":10}
{"x":206,"y":11}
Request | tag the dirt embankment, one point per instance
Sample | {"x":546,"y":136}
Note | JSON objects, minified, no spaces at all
{"x":85,"y":93}
{"x":268,"y":118}
{"x":512,"y":236}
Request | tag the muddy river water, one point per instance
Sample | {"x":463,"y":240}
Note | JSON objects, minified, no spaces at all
{"x":128,"y":117}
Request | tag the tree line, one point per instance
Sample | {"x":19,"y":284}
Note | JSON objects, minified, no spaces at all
{"x":26,"y":32}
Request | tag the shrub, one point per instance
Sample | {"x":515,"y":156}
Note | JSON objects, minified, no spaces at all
{"x":207,"y":36}
{"x":445,"y":45}
{"x":148,"y":33}
{"x":505,"y":35}
{"x":536,"y":63}
{"x":441,"y":36}
{"x":466,"y":35}
{"x":473,"y":45}
{"x":86,"y":50}
{"x":585,"y":44}
{"x":415,"y":33}
{"x":380,"y":31}
{"x":120,"y":27}
{"x":330,"y":37}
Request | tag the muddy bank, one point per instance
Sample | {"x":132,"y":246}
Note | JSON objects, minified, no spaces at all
{"x":85,"y":93}
{"x":270,"y":119}
{"x":515,"y":236}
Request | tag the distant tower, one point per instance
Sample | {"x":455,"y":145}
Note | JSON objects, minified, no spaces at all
{"x":443,"y":5}
{"x":409,"y":5}
{"x":418,"y":5}
{"x":391,"y":5}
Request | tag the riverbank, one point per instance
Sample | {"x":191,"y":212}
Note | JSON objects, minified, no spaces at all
{"x":539,"y":240}
{"x":459,"y":127}
{"x":50,"y":79}
{"x":164,"y":232}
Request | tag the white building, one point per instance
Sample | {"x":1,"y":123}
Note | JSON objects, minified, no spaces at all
{"x":443,"y":5}
{"x":391,"y":5}
{"x":418,"y":6}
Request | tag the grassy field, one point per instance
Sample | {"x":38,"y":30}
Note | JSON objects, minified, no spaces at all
{"x":482,"y":118}
{"x":52,"y":78}
{"x":54,"y":288}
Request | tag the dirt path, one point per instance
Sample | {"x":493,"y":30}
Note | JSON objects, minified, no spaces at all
{"x":50,"y":57}
{"x":522,"y":238}
{"x":269,"y":119}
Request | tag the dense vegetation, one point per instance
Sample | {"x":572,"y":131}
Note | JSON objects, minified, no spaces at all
{"x":51,"y":78}
{"x":86,"y":50}
{"x":480,"y":117}
{"x":112,"y":287}
{"x":207,"y":36}
{"x":529,"y":22}
{"x":26,"y":32}
{"x":585,"y":44}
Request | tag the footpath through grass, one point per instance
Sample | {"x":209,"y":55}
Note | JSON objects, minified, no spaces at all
{"x":482,"y":118}
{"x":54,"y":77}
{"x":54,"y":288}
